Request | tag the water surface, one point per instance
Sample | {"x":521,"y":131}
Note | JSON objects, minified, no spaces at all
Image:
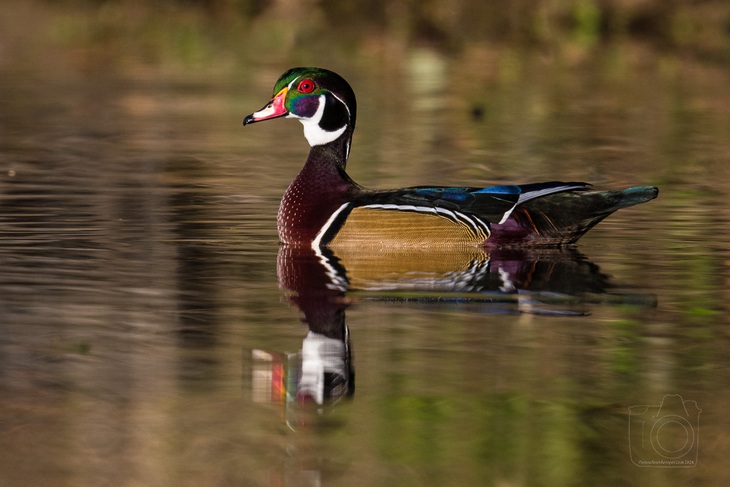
{"x":152,"y":329}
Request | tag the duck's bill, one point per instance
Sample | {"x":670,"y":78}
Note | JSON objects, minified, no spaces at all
{"x":274,"y":109}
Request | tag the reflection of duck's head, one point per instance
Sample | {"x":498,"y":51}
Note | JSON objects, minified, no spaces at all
{"x":326,"y":369}
{"x":326,"y":373}
{"x":527,"y":280}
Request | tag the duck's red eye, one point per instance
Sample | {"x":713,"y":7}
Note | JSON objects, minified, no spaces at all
{"x":306,"y":86}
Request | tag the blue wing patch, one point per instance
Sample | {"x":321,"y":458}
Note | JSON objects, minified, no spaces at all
{"x":504,"y":189}
{"x":457,"y":195}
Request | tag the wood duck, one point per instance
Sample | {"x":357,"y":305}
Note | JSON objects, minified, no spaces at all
{"x":324,"y":207}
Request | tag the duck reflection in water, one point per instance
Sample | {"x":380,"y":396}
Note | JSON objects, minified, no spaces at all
{"x":322,"y":285}
{"x":326,"y":373}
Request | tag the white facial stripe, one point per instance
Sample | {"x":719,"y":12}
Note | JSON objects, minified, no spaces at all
{"x":349,"y":115}
{"x":314,"y":133}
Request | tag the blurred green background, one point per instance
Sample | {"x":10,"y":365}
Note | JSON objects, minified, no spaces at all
{"x":220,"y":34}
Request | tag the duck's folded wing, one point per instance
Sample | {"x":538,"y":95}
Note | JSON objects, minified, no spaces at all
{"x":493,"y":204}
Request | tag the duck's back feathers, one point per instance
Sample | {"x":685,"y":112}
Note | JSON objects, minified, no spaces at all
{"x":492,"y":204}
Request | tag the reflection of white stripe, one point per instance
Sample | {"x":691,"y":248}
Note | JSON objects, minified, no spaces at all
{"x":318,"y":239}
{"x":466,"y":280}
{"x":338,"y":281}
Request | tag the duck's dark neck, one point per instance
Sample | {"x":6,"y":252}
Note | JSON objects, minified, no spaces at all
{"x":335,"y":152}
{"x":317,"y":192}
{"x":324,"y":171}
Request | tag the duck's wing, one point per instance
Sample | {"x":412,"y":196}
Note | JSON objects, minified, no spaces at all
{"x":435,"y":215}
{"x":493,"y":204}
{"x":562,"y":218}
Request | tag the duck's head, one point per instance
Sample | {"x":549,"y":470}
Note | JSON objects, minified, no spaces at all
{"x":322,"y":100}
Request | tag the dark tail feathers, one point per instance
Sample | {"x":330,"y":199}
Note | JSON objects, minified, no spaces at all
{"x":563,"y":218}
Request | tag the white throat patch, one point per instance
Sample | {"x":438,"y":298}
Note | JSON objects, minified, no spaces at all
{"x":314,"y":133}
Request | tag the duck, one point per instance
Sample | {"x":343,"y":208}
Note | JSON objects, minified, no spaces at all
{"x":324,"y":207}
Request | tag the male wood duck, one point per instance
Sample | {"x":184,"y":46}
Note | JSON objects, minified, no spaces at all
{"x":324,"y":207}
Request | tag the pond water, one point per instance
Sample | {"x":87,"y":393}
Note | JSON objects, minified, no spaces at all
{"x":152,"y":328}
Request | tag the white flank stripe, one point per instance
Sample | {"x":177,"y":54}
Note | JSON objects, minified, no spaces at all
{"x":391,"y":206}
{"x":339,"y":282}
{"x":318,"y":239}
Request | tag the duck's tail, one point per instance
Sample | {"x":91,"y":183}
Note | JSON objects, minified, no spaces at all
{"x":563,"y":218}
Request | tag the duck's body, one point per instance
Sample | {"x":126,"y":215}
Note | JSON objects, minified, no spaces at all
{"x":324,"y":207}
